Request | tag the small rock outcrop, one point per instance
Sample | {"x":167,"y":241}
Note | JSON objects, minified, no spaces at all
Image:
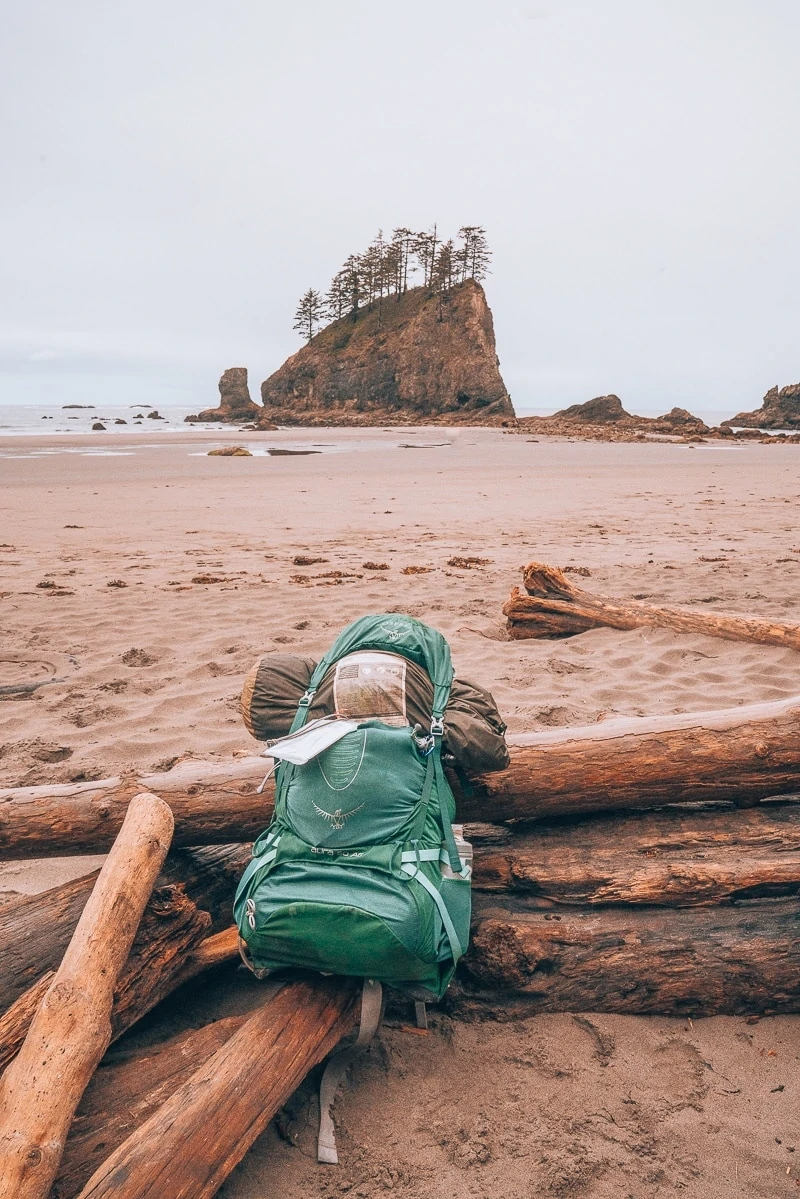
{"x":780,"y":410}
{"x":599,"y":411}
{"x":230,"y":451}
{"x":235,"y":404}
{"x":416,"y":358}
{"x":678,"y":420}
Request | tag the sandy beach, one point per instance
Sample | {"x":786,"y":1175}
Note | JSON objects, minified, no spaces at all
{"x":145,"y":577}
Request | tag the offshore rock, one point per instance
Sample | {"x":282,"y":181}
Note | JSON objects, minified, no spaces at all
{"x":779,"y":410}
{"x":598,"y":411}
{"x":678,"y":420}
{"x":414,"y":359}
{"x":234,"y":399}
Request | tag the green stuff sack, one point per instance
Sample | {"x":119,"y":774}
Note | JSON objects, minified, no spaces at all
{"x":361,"y":871}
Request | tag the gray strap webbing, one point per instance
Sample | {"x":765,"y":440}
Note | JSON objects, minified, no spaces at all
{"x":371,"y":1016}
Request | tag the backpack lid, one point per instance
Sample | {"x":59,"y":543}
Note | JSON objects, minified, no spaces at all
{"x":395,"y":633}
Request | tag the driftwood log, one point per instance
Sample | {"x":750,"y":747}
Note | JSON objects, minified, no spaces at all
{"x":739,"y":754}
{"x":552,"y":606}
{"x":71,"y":1029}
{"x":35,"y":929}
{"x":191,"y":1143}
{"x":126,"y":1089}
{"x":164,"y":956}
{"x":212,"y":804}
{"x":676,"y":857}
{"x":703,"y":961}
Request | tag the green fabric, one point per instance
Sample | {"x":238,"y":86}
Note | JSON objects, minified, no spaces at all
{"x":395,"y":633}
{"x":473,"y":726}
{"x":336,"y":883}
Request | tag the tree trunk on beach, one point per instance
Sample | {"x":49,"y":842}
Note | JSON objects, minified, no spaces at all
{"x":698,"y":962}
{"x":168,"y":951}
{"x":71,"y":1029}
{"x":126,"y":1090}
{"x":739,"y":754}
{"x":213,"y":804}
{"x":678,"y":857}
{"x":192,"y":1142}
{"x":736,"y":754}
{"x":552,"y":606}
{"x":35,"y":930}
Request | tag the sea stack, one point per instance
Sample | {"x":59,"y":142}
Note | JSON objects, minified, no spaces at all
{"x":412,"y":358}
{"x":235,"y":404}
{"x":779,"y":410}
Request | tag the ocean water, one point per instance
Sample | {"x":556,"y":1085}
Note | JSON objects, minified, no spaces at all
{"x":31,"y":419}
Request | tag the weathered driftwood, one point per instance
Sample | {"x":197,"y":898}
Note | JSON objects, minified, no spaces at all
{"x":35,"y":929}
{"x":71,"y":1029}
{"x":740,"y":754}
{"x":192,"y":1142}
{"x":126,"y":1089}
{"x":166,"y":953}
{"x":698,"y":961}
{"x":552,"y":606}
{"x":212,"y":804}
{"x":676,"y":857}
{"x":736,"y":754}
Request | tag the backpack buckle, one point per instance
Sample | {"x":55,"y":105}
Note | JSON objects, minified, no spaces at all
{"x":437,"y":726}
{"x":305,"y":700}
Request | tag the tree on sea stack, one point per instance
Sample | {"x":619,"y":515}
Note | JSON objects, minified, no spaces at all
{"x":309,"y":315}
{"x":474,"y":254}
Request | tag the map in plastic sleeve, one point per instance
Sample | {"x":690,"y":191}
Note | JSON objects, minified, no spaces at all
{"x":371,"y":685}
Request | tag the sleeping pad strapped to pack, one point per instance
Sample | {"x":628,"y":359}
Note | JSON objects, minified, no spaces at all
{"x":360,"y":872}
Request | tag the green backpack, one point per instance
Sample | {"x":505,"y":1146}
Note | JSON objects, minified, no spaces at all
{"x":360,"y":872}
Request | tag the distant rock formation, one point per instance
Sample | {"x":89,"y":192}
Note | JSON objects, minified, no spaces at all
{"x":235,"y":404}
{"x":779,"y":410}
{"x":415,"y":358}
{"x":598,"y":411}
{"x":677,"y":420}
{"x":604,"y":419}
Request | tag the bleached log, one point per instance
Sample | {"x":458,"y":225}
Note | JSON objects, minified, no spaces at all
{"x":71,"y":1029}
{"x":552,"y":606}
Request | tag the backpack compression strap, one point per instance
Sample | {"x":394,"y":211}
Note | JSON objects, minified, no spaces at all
{"x":372,"y":1005}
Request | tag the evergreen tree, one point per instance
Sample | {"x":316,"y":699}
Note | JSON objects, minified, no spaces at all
{"x":474,"y":254}
{"x":309,"y":314}
{"x":403,"y":243}
{"x":424,"y":250}
{"x":338,"y":296}
{"x":445,"y":269}
{"x":384,"y":268}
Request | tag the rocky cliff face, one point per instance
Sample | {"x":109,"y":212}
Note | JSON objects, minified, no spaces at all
{"x":780,"y":410}
{"x":415,"y":360}
{"x":234,"y":399}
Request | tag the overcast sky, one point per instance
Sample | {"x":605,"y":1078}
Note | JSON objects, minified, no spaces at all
{"x":175,"y":173}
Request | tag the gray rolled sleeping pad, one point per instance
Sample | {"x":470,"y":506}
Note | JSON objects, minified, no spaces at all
{"x":473,"y":732}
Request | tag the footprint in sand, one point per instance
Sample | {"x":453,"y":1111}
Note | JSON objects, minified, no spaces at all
{"x":138,"y":657}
